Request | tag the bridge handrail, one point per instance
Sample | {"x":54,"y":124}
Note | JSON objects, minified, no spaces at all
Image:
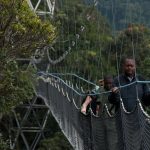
{"x":72,"y":74}
{"x":84,"y":94}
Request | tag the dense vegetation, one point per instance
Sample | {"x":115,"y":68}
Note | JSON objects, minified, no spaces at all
{"x":85,"y":32}
{"x":120,"y":13}
{"x":133,"y":41}
{"x":21,"y":33}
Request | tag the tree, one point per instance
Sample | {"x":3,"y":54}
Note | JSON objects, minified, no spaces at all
{"x":121,"y":12}
{"x":58,"y":142}
{"x":3,"y":144}
{"x":133,"y":41}
{"x":21,"y":33}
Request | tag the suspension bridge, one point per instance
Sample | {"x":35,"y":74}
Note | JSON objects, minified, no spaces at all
{"x":62,"y":93}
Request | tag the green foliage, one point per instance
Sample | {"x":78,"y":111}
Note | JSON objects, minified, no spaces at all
{"x":86,"y":53}
{"x":15,"y":86}
{"x":58,"y":142}
{"x":121,"y":12}
{"x":4,"y":145}
{"x":21,"y":30}
{"x":144,"y":67}
{"x":21,"y":33}
{"x":133,"y":42}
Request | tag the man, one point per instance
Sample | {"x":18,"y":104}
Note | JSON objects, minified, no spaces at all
{"x":128,"y":89}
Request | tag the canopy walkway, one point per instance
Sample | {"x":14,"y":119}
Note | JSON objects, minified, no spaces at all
{"x":89,"y":132}
{"x":63,"y":98}
{"x":85,"y":132}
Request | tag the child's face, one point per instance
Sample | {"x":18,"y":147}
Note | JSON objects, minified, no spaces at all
{"x":101,"y":82}
{"x":108,"y":84}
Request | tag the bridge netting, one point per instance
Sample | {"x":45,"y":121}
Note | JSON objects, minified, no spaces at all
{"x":128,"y":131}
{"x":93,"y":37}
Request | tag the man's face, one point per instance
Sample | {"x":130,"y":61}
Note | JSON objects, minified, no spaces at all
{"x":129,"y":67}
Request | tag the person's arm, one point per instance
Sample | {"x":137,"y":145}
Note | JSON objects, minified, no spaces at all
{"x":146,"y":93}
{"x":114,"y":97}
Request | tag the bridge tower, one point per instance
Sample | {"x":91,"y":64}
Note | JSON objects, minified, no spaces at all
{"x":42,"y":7}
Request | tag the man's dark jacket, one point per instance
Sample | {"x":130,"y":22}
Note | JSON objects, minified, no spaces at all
{"x":131,"y":93}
